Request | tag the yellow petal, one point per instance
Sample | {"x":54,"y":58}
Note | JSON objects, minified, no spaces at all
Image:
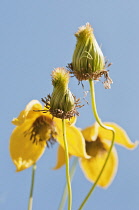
{"x":71,"y":121}
{"x":91,"y":167}
{"x":31,"y":107}
{"x":20,"y":119}
{"x":121,"y":136}
{"x":60,"y":158}
{"x":90,"y":133}
{"x":27,"y":112}
{"x":23,"y":151}
{"x":75,"y":140}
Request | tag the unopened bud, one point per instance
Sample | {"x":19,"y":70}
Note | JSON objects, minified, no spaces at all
{"x":88,"y":61}
{"x":62,"y":103}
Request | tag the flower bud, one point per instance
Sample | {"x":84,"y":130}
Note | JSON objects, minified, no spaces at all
{"x":60,"y":78}
{"x":88,"y":61}
{"x":62,"y":103}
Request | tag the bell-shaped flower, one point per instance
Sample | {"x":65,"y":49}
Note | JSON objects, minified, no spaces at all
{"x":98,"y":140}
{"x":35,"y":130}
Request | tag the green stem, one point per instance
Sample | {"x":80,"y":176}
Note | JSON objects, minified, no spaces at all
{"x":32,"y":187}
{"x":65,"y":192}
{"x":92,"y":94}
{"x":67,"y":165}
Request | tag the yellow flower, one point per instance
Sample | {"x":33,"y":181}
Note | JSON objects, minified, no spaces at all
{"x":34,"y":130}
{"x":98,"y":141}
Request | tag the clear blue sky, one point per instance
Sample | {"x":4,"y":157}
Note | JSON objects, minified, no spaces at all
{"x":37,"y":36}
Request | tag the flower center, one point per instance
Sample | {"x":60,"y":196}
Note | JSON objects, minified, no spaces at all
{"x":42,"y":129}
{"x":94,"y":148}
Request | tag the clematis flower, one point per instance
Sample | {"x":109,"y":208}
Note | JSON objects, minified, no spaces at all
{"x":98,"y":141}
{"x":35,"y":130}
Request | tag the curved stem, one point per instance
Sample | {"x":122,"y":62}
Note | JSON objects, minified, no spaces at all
{"x":67,"y":166}
{"x":94,"y":109}
{"x":72,"y":171}
{"x":32,"y":187}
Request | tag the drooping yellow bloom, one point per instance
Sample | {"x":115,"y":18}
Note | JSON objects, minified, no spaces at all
{"x":34,"y":130}
{"x":98,"y":140}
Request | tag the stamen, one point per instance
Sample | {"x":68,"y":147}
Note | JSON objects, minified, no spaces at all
{"x":81,"y":75}
{"x":42,"y":129}
{"x":60,"y":113}
{"x":94,"y":148}
{"x":108,"y":81}
{"x":51,"y":142}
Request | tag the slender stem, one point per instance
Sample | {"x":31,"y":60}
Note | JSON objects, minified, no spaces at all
{"x":94,"y":109}
{"x":32,"y":187}
{"x":65,"y":192}
{"x":67,"y":166}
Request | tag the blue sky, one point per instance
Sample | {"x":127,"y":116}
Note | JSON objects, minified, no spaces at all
{"x":38,"y":36}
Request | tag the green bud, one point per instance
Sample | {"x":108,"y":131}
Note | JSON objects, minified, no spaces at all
{"x":62,"y":104}
{"x":60,"y":77}
{"x":88,"y":61}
